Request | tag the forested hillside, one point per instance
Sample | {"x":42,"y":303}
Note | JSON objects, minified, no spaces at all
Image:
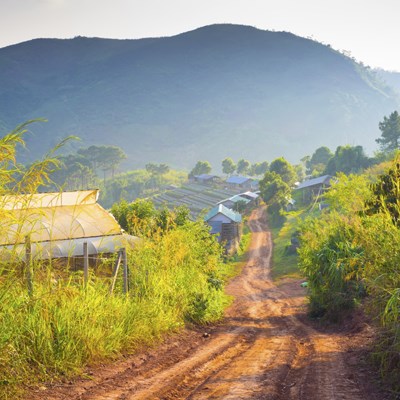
{"x":390,"y":78}
{"x":216,"y":91}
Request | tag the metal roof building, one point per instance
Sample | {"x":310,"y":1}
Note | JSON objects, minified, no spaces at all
{"x":250,"y":195}
{"x":238,"y":180}
{"x":205,"y":176}
{"x":221,"y":209}
{"x":321,"y":180}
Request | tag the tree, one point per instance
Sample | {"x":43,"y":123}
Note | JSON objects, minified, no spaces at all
{"x":106,"y":158}
{"x":348,"y":159}
{"x":75,"y":173}
{"x":138,"y":217}
{"x":240,"y":206}
{"x":274,"y":191}
{"x":151,"y":168}
{"x":242,"y":166}
{"x":92,"y":154}
{"x":109,"y":158}
{"x":182,"y":215}
{"x":386,"y":194}
{"x":299,"y":169}
{"x":259,"y":168}
{"x":201,"y":167}
{"x":390,"y":128}
{"x":284,"y":169}
{"x":318,"y":161}
{"x":228,"y":166}
{"x":163,"y":169}
{"x":156,"y":171}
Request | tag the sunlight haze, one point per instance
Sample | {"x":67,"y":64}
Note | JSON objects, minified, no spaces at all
{"x":367,"y":29}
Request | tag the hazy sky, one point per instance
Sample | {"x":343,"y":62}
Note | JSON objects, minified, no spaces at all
{"x":369,"y":29}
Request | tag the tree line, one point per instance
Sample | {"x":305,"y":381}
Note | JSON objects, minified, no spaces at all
{"x":277,"y":183}
{"x":229,"y":167}
{"x":83,"y":169}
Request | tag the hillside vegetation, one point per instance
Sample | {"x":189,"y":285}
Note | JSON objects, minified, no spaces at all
{"x":216,"y":91}
{"x":350,"y":255}
{"x":53,"y":322}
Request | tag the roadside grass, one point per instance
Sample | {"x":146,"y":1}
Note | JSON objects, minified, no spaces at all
{"x":175,"y":279}
{"x":284,"y":257}
{"x":239,"y":259}
{"x":52,"y":325}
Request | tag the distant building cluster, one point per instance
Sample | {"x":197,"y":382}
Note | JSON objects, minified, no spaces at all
{"x":225,"y":217}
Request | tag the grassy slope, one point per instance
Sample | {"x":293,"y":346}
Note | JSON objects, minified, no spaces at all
{"x":176,"y":279}
{"x":284,"y":264}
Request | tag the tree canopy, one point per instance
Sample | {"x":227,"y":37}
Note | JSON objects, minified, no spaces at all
{"x":284,"y":169}
{"x":157,"y":169}
{"x":201,"y":167}
{"x":259,"y":168}
{"x":348,"y":159}
{"x":228,"y":166}
{"x":316,"y":164}
{"x":390,"y":132}
{"x":242,"y":166}
{"x":106,"y":158}
{"x":79,"y":171}
{"x":386,"y":194}
{"x":274,"y":191}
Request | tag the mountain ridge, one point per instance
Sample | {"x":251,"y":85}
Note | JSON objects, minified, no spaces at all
{"x":216,"y":91}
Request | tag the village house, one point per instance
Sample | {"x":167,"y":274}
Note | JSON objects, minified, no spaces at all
{"x":242,"y":182}
{"x":226,"y":224}
{"x":314,"y":187}
{"x":233,"y":201}
{"x":206,"y":179}
{"x":253,"y":197}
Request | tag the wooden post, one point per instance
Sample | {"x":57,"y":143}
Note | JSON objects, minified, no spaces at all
{"x":115,"y":272}
{"x":28,"y":264}
{"x":125,"y":264}
{"x":85,"y":264}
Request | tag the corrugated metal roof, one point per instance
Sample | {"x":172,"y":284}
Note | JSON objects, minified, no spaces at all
{"x":234,"y":199}
{"x":205,"y":176}
{"x":316,"y":181}
{"x":238,"y":180}
{"x":238,"y":198}
{"x":221,"y":209}
{"x":250,"y":194}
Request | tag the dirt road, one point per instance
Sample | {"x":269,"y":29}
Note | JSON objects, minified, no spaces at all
{"x":264,"y":349}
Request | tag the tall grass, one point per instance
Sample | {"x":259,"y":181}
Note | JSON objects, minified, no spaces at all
{"x":284,"y":256}
{"x":331,"y":261}
{"x":354,"y":250}
{"x":176,"y":277}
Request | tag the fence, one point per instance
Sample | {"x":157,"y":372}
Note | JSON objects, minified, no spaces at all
{"x":121,"y":259}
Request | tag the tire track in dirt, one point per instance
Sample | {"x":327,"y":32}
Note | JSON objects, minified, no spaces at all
{"x":261,"y":351}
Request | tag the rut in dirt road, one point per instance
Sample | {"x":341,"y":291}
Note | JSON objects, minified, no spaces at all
{"x":261,"y":351}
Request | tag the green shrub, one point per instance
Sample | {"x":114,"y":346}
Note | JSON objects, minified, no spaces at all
{"x":331,"y":261}
{"x":176,"y":276}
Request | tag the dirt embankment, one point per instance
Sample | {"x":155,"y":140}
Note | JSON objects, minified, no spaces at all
{"x":264,"y":349}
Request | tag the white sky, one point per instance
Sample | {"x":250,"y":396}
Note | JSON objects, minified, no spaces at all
{"x":369,"y":29}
